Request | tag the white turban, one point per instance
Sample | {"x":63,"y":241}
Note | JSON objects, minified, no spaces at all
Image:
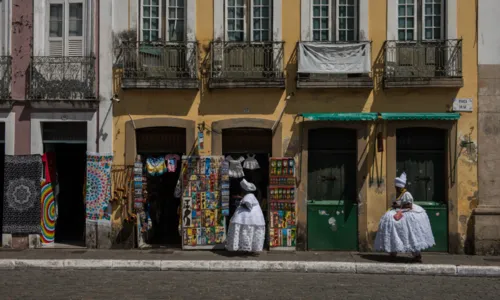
{"x":247,"y":186}
{"x":400,"y":181}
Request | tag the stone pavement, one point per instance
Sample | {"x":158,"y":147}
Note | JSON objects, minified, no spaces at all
{"x":109,"y":285}
{"x":312,"y":262}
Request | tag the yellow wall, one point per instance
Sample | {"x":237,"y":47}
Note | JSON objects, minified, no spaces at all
{"x":210,"y":106}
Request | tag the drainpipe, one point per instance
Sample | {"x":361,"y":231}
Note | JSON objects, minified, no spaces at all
{"x":96,"y":53}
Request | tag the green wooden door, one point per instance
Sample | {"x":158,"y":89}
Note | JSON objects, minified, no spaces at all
{"x":331,"y":190}
{"x":421,"y":153}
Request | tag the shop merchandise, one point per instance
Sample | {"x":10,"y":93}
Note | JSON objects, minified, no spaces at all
{"x":21,"y":207}
{"x":282,"y":205}
{"x":203,"y":223}
{"x":49,"y":214}
{"x":251,"y":163}
{"x":98,"y":187}
{"x":171,"y":161}
{"x":156,"y":166}
{"x":235,"y":167}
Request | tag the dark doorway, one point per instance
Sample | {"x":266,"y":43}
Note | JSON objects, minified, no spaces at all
{"x":68,"y":140}
{"x":163,"y":205}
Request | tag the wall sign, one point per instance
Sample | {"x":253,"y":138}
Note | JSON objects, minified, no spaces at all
{"x":462,"y":104}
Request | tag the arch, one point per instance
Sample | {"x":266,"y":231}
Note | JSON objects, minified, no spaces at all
{"x":218,"y":126}
{"x":130,"y":133}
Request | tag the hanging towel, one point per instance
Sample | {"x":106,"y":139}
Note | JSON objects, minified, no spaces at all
{"x":171,"y":161}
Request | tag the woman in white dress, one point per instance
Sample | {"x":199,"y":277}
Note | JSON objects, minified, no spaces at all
{"x":247,"y":228}
{"x":405,"y":227}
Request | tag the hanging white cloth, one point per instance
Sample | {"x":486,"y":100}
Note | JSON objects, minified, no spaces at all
{"x":251,"y":163}
{"x":235,"y":168}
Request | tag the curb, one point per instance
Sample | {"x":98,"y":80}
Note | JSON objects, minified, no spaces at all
{"x":252,"y":266}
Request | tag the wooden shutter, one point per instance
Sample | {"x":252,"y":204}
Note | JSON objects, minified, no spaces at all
{"x":74,"y":44}
{"x":56,"y":44}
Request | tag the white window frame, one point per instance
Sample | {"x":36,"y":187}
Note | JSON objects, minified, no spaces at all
{"x":5,"y":17}
{"x":65,"y":30}
{"x":245,"y":20}
{"x":443,"y":16}
{"x":337,"y":18}
{"x":333,"y":19}
{"x":415,"y":22}
{"x":160,"y":19}
{"x":270,"y":25}
{"x":167,"y":19}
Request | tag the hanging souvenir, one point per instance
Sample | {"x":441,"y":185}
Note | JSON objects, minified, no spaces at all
{"x":171,"y":161}
{"x":251,"y":163}
{"x":156,"y":166}
{"x":235,"y":168}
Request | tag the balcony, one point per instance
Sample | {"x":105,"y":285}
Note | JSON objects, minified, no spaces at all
{"x":5,"y":76}
{"x":334,"y":65}
{"x":159,"y":65}
{"x":423,"y":64}
{"x":63,"y":78}
{"x":246,"y":64}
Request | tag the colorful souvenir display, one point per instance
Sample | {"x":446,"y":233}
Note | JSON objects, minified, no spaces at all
{"x":203,"y":217}
{"x":282,"y":206}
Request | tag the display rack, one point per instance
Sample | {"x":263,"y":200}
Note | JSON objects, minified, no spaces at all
{"x":203,"y":220}
{"x":282,"y":204}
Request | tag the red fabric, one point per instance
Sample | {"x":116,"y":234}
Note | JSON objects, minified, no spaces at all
{"x":49,"y":165}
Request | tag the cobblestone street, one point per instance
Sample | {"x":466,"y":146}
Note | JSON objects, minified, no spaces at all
{"x":52,"y":284}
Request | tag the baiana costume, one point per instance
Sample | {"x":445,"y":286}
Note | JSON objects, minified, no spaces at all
{"x":247,"y":228}
{"x":408,"y":232}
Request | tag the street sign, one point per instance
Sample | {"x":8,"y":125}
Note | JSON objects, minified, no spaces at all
{"x":462,"y":104}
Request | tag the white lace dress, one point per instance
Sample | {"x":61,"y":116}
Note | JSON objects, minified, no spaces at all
{"x":247,"y":228}
{"x":412,"y":233}
{"x":235,"y":167}
{"x":251,"y":163}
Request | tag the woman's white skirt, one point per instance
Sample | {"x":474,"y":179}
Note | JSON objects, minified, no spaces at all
{"x":248,"y":238}
{"x":411,"y":233}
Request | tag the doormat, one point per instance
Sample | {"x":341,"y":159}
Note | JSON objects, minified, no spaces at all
{"x":98,"y":187}
{"x":21,"y":213}
{"x":48,"y":222}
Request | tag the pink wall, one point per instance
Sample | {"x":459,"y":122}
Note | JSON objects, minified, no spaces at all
{"x":22,"y":37}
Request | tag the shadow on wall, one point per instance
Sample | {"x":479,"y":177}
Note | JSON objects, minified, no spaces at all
{"x":155,"y":102}
{"x":239,"y":101}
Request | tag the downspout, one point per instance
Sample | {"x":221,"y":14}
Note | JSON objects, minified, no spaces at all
{"x":96,"y":53}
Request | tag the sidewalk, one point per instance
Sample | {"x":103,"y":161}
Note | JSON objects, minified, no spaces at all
{"x":312,"y":262}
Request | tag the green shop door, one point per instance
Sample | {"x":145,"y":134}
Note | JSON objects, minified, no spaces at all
{"x":421,"y":153}
{"x":332,"y":211}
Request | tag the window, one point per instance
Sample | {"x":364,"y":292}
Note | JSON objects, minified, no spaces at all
{"x":345,"y":22}
{"x":66,"y":28}
{"x":427,"y":23}
{"x":152,"y":14}
{"x":260,"y":20}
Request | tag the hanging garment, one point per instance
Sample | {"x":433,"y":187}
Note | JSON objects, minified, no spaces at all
{"x":410,"y":233}
{"x":49,"y":165}
{"x":251,"y":163}
{"x":156,"y":166}
{"x":235,"y":168}
{"x":171,"y":161}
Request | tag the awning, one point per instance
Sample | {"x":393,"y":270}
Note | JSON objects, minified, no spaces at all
{"x":420,"y":116}
{"x":340,"y":116}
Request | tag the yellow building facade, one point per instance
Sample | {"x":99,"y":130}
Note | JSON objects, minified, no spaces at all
{"x":350,"y":132}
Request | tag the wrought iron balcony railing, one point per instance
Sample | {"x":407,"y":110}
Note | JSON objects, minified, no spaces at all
{"x":423,"y":63}
{"x":246,"y":64}
{"x":63,"y":78}
{"x":334,"y":64}
{"x":5,"y":76}
{"x":159,"y":64}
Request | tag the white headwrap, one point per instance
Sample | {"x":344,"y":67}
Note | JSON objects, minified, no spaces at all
{"x":247,"y":186}
{"x":400,"y":181}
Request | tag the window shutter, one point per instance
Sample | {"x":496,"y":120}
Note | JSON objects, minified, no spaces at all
{"x":74,"y":43}
{"x":56,"y":29}
{"x":56,"y":46}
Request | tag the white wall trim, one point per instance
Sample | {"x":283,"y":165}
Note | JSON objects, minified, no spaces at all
{"x":37,"y":118}
{"x":451,"y":19}
{"x":5,"y":28}
{"x":191,"y":20}
{"x":392,"y":19}
{"x":105,"y":109}
{"x":9,"y":118}
{"x":219,"y":20}
{"x":363,"y":10}
{"x":305,"y":20}
{"x":277,"y":20}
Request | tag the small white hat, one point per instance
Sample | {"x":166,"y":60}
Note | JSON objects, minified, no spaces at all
{"x":247,"y":186}
{"x":400,"y":181}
